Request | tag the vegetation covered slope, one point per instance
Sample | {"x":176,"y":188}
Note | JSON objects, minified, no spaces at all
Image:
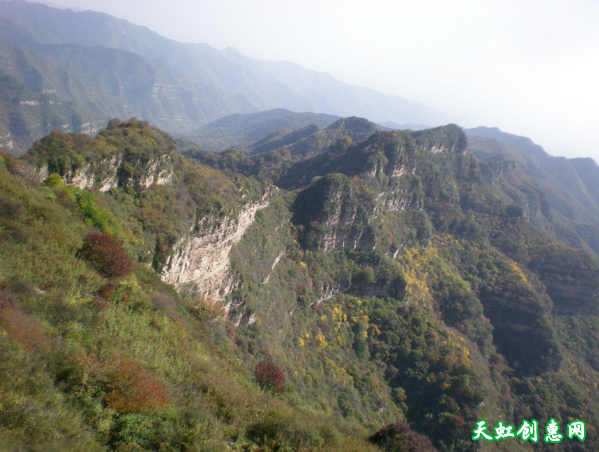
{"x":557,"y":194}
{"x":44,"y":76}
{"x":272,"y":155}
{"x":152,"y":87}
{"x":385,"y":283}
{"x":243,"y":129}
{"x":102,"y":83}
{"x":416,"y":287}
{"x":108,"y":357}
{"x":26,"y":115}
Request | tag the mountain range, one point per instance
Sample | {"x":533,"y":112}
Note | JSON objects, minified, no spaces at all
{"x":305,"y":266}
{"x":355,"y":290}
{"x":136,"y":72}
{"x":558,"y":195}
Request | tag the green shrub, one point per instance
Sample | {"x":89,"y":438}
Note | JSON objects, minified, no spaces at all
{"x":54,"y":180}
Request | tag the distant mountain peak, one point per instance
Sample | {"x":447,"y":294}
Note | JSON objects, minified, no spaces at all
{"x":354,"y":124}
{"x":181,"y":86}
{"x":524,"y":143}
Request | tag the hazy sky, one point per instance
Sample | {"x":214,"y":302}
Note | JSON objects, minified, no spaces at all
{"x":530,"y":67}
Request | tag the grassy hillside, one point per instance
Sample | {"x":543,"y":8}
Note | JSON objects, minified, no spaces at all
{"x":95,"y":358}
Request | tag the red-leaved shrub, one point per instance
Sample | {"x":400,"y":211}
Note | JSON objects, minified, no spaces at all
{"x":106,"y":255}
{"x":128,"y":386}
{"x":7,"y":300}
{"x":20,"y":326}
{"x":106,"y":291}
{"x":269,"y":376}
{"x":132,"y":389}
{"x":400,"y":437}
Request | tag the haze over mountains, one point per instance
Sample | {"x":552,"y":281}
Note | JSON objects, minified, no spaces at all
{"x":82,"y":57}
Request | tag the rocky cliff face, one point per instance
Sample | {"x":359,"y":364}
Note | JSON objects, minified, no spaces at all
{"x":6,"y":141}
{"x":109,"y":173}
{"x":202,"y":257}
{"x":375,"y":177}
{"x":573,"y":290}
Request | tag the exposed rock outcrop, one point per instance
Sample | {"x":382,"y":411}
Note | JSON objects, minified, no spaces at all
{"x":573,"y":290}
{"x":6,"y":142}
{"x":338,"y":215}
{"x":108,"y":173}
{"x":202,"y":257}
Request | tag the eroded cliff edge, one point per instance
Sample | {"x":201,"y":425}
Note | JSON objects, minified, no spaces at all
{"x":201,"y":258}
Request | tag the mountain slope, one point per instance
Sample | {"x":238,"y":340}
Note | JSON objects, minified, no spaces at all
{"x":401,"y":225}
{"x":44,"y":76}
{"x":271,"y":156}
{"x":101,"y":357}
{"x":242,"y":129}
{"x":26,"y":115}
{"x":126,"y":84}
{"x":558,"y":195}
{"x":524,"y":143}
{"x":311,"y":141}
{"x":157,"y":92}
{"x":327,"y":95}
{"x":265,"y":85}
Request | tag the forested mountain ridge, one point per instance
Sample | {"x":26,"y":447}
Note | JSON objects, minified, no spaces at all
{"x":39,"y":96}
{"x":271,"y":156}
{"x":184,"y":86}
{"x":558,"y":195}
{"x":148,"y":302}
{"x":239,"y":130}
